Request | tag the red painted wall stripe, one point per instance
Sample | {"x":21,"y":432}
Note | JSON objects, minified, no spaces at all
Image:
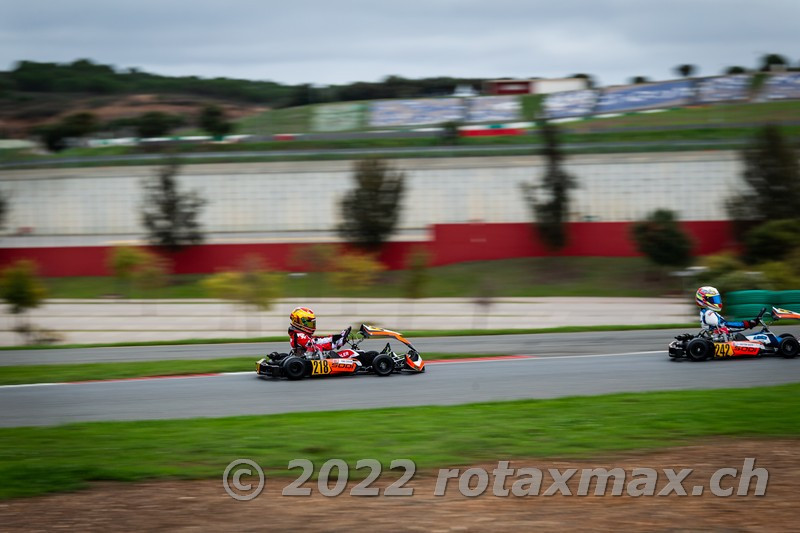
{"x":450,"y":243}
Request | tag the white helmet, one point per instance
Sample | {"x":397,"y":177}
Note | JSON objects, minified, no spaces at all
{"x":708,"y":298}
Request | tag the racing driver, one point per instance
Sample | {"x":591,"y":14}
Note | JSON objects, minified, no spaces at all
{"x":710,"y":302}
{"x":303,"y":324}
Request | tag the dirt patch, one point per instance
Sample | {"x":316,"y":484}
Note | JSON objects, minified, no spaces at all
{"x":48,"y":109}
{"x":203,"y":505}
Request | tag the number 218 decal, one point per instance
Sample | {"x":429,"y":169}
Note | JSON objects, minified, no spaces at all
{"x":320,"y":367}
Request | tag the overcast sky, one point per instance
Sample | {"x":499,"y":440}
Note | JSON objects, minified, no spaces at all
{"x":341,"y":41}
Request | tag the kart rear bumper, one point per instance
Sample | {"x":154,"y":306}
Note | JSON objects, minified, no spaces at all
{"x":677,"y":349}
{"x":267,"y":368}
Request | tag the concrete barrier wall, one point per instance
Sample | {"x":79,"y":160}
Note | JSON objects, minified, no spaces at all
{"x":291,"y":197}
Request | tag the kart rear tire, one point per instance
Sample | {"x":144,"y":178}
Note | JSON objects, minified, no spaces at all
{"x":278,"y":357}
{"x":789,"y":347}
{"x":366,"y":358}
{"x":383,"y":365}
{"x":699,"y":349}
{"x":294,"y":368}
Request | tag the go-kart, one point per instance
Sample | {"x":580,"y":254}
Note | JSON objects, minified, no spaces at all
{"x":729,"y":342}
{"x":317,"y":363}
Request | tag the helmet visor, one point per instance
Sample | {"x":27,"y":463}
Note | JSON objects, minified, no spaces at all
{"x":310,"y":323}
{"x":716,"y":299}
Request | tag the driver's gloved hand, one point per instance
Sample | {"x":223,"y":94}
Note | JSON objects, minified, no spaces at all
{"x":339,"y":340}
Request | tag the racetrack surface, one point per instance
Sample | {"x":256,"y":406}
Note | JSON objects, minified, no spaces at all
{"x":446,"y":383}
{"x":540,"y":345}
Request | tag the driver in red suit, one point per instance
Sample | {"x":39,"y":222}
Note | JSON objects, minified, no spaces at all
{"x":303,"y":324}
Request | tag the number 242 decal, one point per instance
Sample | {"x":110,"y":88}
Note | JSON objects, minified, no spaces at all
{"x":723,"y":350}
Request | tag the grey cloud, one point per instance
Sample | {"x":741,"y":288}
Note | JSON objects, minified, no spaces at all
{"x":349,"y":40}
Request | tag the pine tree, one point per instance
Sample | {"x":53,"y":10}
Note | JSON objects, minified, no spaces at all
{"x":552,"y":211}
{"x":169,"y":215}
{"x":771,"y":180}
{"x":371,"y":211}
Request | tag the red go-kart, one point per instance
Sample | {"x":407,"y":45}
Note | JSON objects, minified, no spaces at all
{"x":350,"y":361}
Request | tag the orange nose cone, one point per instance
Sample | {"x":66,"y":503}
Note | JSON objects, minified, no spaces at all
{"x":417,"y":365}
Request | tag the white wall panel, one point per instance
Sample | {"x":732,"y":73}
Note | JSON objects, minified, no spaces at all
{"x":285,"y":197}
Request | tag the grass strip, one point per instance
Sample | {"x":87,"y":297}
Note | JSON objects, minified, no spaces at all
{"x":410,"y":334}
{"x":39,"y":460}
{"x":62,"y":373}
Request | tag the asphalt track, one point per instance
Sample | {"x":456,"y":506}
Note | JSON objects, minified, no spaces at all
{"x":540,"y":345}
{"x":600,"y":369}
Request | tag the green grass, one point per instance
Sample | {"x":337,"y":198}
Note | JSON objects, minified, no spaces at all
{"x":39,"y":460}
{"x":16,"y":375}
{"x":731,"y":123}
{"x":468,"y":148}
{"x":571,"y":134}
{"x":531,"y":277}
{"x":288,"y":120}
{"x":298,"y":119}
{"x":62,"y":373}
{"x":720,"y":122}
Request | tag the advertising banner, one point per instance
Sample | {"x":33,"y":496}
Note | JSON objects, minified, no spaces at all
{"x":338,"y":117}
{"x":570,"y":104}
{"x":646,"y":96}
{"x":493,"y":109}
{"x":734,"y":88}
{"x":783,"y":86}
{"x":415,"y":112}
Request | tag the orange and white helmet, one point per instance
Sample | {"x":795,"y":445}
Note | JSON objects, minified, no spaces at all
{"x":708,"y":298}
{"x":304,"y":319}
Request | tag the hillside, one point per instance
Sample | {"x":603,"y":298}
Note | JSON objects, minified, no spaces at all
{"x":34,"y":94}
{"x":26,"y":111}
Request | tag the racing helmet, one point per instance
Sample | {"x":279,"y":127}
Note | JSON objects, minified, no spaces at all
{"x":708,"y":298}
{"x":304,"y":319}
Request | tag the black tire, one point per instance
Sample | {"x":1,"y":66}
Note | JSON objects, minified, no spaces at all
{"x":383,"y":365}
{"x":699,"y":349}
{"x":789,"y":347}
{"x":278,"y":357}
{"x":294,"y":368}
{"x":366,"y":358}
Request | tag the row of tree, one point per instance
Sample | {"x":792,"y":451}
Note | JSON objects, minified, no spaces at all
{"x":85,"y":76}
{"x":767,"y":63}
{"x":211,"y":119}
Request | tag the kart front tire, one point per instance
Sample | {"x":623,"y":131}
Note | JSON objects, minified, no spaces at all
{"x":383,"y":365}
{"x":789,"y":347}
{"x":699,"y":349}
{"x":294,"y":368}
